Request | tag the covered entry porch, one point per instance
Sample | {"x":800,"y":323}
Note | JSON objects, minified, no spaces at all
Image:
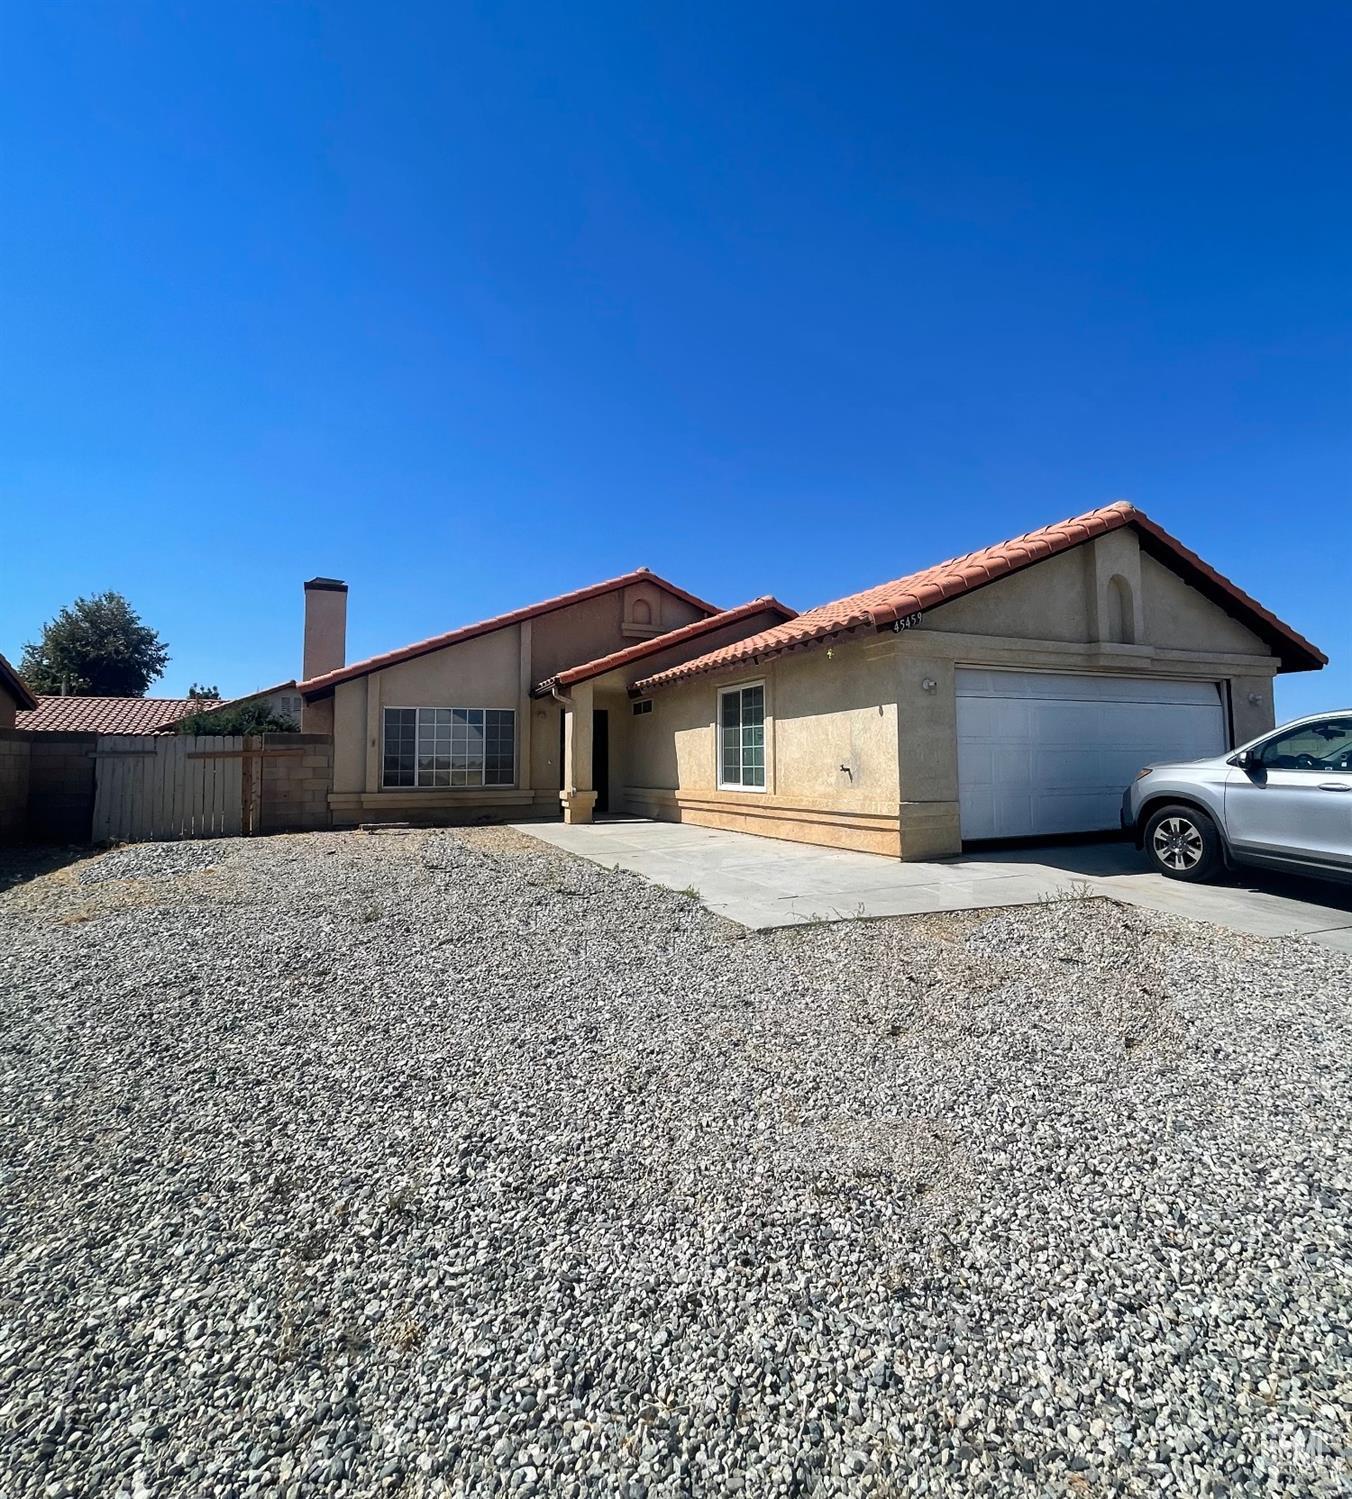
{"x":613,"y":756}
{"x":594,"y":737}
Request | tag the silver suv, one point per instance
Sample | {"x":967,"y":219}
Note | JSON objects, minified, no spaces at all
{"x":1283,"y":801}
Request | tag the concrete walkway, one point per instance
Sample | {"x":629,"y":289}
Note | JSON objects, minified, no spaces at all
{"x":763,"y":882}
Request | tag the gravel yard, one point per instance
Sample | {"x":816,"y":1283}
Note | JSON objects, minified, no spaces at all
{"x":446,"y":1164}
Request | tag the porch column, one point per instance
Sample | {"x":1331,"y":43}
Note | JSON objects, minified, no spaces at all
{"x":578,"y":795}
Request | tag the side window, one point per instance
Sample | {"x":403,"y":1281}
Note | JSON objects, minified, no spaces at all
{"x":741,"y":735}
{"x":1322,"y":745}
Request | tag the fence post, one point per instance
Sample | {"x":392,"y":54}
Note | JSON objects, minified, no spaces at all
{"x":251,"y":787}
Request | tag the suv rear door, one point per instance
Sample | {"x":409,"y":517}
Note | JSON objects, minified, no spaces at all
{"x":1295,"y":803}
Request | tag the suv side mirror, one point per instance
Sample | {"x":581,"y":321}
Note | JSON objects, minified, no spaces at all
{"x":1245,"y":760}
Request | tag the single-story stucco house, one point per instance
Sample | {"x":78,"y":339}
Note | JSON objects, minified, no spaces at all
{"x":1011,"y":692}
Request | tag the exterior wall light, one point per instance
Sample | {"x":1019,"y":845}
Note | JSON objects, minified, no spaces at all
{"x":1254,"y":699}
{"x":928,"y":685}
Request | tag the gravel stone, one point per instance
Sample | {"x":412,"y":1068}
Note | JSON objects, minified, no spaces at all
{"x":153,"y":861}
{"x":444,"y":1164}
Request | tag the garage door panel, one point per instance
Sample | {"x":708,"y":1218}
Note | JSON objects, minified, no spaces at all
{"x":1051,"y":722}
{"x":1049,"y":686}
{"x":1060,"y":809}
{"x":1056,"y":770}
{"x":983,"y":805}
{"x":1046,"y":753}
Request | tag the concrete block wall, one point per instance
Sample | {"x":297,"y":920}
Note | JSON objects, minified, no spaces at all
{"x":47,"y":785}
{"x":296,"y":778}
{"x":61,"y":787}
{"x":14,"y":761}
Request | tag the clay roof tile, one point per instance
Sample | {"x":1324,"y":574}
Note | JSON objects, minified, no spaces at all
{"x":915,"y":592}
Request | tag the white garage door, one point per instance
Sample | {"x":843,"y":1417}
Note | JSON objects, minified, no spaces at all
{"x":1047,"y":752}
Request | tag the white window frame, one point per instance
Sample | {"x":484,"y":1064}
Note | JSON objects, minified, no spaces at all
{"x":420,"y":708}
{"x":739,"y":688}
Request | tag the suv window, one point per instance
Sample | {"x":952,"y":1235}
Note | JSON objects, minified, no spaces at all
{"x":1324,"y":744}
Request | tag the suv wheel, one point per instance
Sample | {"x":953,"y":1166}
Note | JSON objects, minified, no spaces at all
{"x":1183,"y":843}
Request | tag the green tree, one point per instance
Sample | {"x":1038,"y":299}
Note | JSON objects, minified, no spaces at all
{"x":210,"y":694}
{"x":248,"y":718}
{"x":95,"y":647}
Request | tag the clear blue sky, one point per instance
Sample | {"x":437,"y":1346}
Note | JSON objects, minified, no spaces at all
{"x":471,"y":304}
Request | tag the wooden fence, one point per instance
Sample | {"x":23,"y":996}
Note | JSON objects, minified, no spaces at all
{"x":123,"y":788}
{"x":169,"y":786}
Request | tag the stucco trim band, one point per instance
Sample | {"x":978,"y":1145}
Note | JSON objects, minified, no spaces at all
{"x":433,"y":806}
{"x":873,"y":830}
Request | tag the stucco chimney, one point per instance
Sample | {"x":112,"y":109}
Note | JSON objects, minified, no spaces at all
{"x":325,"y":646}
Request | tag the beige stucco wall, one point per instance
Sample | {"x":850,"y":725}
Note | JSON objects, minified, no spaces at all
{"x":597,"y":626}
{"x":480,"y":673}
{"x":1066,"y":598}
{"x":546,"y":765}
{"x":349,"y":735}
{"x":324,"y":640}
{"x":1104,"y":607}
{"x":1177,"y":616}
{"x":496,"y":670}
{"x":831,"y":761}
{"x":485,"y":672}
{"x":1046,"y":602}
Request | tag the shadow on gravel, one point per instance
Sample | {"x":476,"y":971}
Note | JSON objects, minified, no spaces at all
{"x":20,"y":864}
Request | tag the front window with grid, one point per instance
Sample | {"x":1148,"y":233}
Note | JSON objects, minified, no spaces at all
{"x":450,"y":747}
{"x":741,"y":737}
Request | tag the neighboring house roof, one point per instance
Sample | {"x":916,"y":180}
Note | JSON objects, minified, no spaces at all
{"x":15,"y":685}
{"x":878,"y":607}
{"x":766,"y":604}
{"x":106,"y":715}
{"x":330,"y":679}
{"x":200,"y":705}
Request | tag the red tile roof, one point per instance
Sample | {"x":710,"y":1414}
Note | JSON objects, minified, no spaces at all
{"x":106,"y":715}
{"x":766,"y":604}
{"x":876,"y":608}
{"x":330,"y":679}
{"x":15,"y":685}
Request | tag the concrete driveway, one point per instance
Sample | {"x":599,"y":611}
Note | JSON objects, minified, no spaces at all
{"x":763,"y":882}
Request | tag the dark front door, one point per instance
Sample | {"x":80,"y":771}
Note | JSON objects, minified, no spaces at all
{"x":601,"y":758}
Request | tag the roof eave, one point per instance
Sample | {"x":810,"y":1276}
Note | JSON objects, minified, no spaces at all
{"x":589,"y":671}
{"x":677,"y":675}
{"x":19,"y":690}
{"x":316,"y":688}
{"x":1292,"y":650}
